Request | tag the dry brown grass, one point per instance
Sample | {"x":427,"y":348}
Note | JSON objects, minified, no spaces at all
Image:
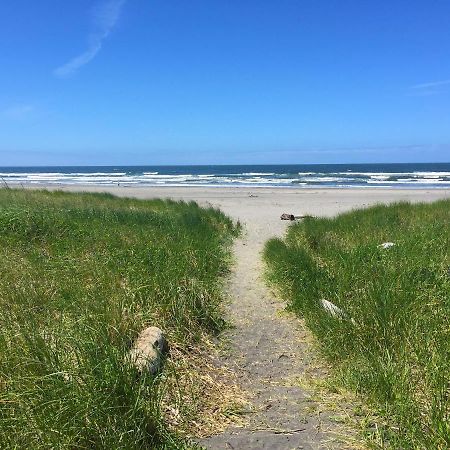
{"x":208,"y":398}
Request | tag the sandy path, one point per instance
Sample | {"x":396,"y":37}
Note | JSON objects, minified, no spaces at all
{"x":268,"y":355}
{"x":268,"y":350}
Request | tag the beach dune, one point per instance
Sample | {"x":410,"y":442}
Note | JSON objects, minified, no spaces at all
{"x":268,"y":347}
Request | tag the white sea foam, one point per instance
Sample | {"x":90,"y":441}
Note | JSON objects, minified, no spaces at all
{"x":257,"y":173}
{"x":325,"y":179}
{"x":96,"y":174}
{"x":431,"y":174}
{"x":411,"y":181}
{"x":301,"y":179}
{"x":397,"y":174}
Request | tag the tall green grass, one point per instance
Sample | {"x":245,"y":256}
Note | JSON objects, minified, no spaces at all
{"x":396,"y":350}
{"x":80,"y":276}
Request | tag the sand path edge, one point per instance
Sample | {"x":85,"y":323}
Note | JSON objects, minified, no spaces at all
{"x":270,"y":352}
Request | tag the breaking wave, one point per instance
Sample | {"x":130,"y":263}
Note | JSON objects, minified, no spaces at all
{"x":388,"y":175}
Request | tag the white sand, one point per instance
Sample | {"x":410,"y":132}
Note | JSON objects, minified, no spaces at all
{"x":260,"y":208}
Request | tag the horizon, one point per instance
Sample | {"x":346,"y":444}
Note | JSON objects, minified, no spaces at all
{"x":230,"y":165}
{"x":121,"y":82}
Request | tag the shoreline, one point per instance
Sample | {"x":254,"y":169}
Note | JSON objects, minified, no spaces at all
{"x":417,"y":187}
{"x":78,"y":186}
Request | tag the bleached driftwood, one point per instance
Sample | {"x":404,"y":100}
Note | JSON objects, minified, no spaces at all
{"x":304,"y":216}
{"x":148,"y":350}
{"x":386,"y":245}
{"x":332,"y":309}
{"x":335,"y":311}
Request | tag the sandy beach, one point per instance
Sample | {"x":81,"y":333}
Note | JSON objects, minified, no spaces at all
{"x":268,"y":350}
{"x":261,"y":207}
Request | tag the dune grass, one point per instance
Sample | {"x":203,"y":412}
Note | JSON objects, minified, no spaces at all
{"x":80,"y":276}
{"x":392,"y":342}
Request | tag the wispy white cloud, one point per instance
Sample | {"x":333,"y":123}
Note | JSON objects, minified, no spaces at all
{"x":432,"y":84}
{"x":104,"y":19}
{"x":430,"y":88}
{"x":17,"y":112}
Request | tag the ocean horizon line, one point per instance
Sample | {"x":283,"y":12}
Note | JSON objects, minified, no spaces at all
{"x":38,"y":166}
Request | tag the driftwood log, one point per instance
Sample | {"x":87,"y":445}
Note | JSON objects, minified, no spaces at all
{"x":386,"y":245}
{"x":304,"y":216}
{"x":148,"y":350}
{"x":334,"y":311}
{"x":286,"y":216}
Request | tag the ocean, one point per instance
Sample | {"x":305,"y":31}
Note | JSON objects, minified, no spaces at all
{"x":410,"y":175}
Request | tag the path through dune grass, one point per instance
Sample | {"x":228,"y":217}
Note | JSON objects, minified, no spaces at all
{"x":391,"y":343}
{"x":272,"y":354}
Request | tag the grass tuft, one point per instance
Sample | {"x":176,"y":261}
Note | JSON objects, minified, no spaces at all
{"x":393,"y":343}
{"x":80,"y":276}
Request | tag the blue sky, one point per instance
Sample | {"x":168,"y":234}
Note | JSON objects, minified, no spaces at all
{"x":217,"y":82}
